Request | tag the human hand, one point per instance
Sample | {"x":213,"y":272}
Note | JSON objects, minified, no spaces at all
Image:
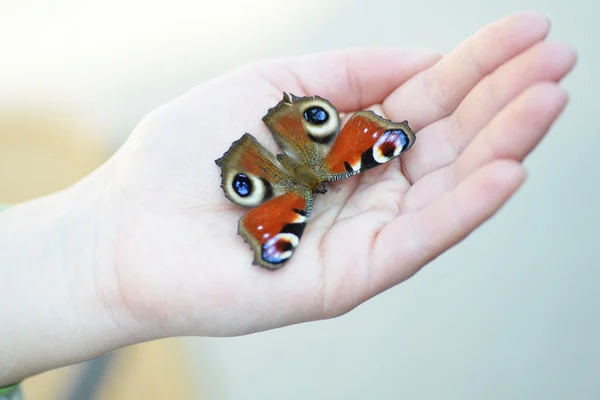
{"x":179,"y":264}
{"x":148,"y":245}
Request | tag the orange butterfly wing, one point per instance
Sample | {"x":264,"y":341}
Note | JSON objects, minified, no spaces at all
{"x":366,"y":141}
{"x":274,"y":228}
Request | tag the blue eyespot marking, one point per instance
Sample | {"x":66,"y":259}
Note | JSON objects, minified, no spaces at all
{"x":242,"y":185}
{"x":279,"y":248}
{"x":400,"y":137}
{"x":316,"y":115}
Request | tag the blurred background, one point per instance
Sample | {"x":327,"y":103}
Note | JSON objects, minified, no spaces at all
{"x":511,"y":312}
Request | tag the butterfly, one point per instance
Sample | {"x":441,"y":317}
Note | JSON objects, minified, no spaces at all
{"x":279,"y":189}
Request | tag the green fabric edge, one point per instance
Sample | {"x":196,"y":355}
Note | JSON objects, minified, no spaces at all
{"x":8,"y":389}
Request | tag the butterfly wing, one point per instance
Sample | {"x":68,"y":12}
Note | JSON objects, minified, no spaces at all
{"x":274,"y":228}
{"x":366,"y":141}
{"x":252,"y":177}
{"x":304,"y":127}
{"x":308,"y":129}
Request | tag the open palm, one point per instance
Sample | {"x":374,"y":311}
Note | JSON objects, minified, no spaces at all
{"x":181,"y":268}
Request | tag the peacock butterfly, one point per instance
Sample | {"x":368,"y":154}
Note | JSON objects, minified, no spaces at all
{"x":279,"y":189}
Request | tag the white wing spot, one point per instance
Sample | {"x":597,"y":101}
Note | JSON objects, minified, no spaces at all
{"x":300,"y":219}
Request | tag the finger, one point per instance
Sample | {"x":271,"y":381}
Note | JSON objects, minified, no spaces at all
{"x":512,"y":134}
{"x":436,"y":93}
{"x":546,"y":61}
{"x":350,"y":79}
{"x":516,"y":131}
{"x":411,"y":240}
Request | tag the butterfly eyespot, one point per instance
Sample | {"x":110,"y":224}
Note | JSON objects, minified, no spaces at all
{"x":322,"y":122}
{"x":279,"y":248}
{"x":242,"y":185}
{"x":247,"y":190}
{"x":316,"y":115}
{"x":389,"y":145}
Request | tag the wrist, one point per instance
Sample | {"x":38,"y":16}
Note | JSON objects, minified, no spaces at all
{"x":53,"y":282}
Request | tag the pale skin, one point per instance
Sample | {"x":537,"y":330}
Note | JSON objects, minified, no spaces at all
{"x":146,"y":246}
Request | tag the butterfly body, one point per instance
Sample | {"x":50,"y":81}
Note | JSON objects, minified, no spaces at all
{"x":302,"y":173}
{"x":280,"y":189}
